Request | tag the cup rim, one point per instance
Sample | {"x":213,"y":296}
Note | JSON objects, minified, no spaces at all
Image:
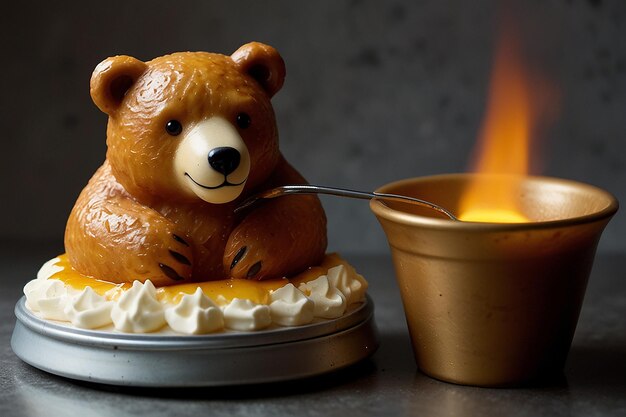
{"x":383,"y":210}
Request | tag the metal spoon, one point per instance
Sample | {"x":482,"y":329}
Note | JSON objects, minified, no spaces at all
{"x":341,"y":192}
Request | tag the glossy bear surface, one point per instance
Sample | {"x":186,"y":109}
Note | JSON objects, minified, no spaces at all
{"x":190,"y":135}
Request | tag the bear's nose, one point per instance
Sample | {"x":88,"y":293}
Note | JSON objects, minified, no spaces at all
{"x":224,"y":159}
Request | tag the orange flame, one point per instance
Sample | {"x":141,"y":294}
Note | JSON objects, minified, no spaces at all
{"x":504,"y":141}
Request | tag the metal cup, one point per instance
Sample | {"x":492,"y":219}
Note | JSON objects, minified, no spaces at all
{"x":493,"y":304}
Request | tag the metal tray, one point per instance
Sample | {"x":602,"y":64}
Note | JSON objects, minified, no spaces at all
{"x":164,"y":360}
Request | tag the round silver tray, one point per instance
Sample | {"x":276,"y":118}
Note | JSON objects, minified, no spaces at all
{"x":229,"y":358}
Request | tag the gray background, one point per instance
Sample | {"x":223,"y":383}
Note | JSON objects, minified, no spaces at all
{"x":375,"y":92}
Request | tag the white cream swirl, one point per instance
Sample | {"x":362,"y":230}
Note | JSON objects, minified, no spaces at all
{"x":52,"y":294}
{"x":48,"y":297}
{"x":290,"y":307}
{"x":89,"y":310}
{"x":330,"y":303}
{"x":245,"y":315}
{"x":195,"y":314}
{"x":352,"y":285}
{"x":138,"y":310}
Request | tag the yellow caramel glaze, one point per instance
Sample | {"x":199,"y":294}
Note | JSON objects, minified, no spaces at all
{"x":79,"y":281}
{"x":218,"y":291}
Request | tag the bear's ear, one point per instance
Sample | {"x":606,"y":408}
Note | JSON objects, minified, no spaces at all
{"x":263,"y":63}
{"x":111,"y":80}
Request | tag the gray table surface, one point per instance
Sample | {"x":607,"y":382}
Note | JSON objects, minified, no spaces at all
{"x":388,"y":384}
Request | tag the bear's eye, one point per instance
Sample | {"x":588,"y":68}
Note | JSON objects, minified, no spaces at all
{"x":243,"y":120}
{"x":173,"y":127}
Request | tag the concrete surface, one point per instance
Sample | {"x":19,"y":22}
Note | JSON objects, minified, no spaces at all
{"x":593,"y":383}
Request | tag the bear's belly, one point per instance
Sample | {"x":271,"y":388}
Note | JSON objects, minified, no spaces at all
{"x":208,"y":232}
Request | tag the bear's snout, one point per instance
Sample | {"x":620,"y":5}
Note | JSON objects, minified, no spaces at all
{"x":224,"y":159}
{"x":212,"y":161}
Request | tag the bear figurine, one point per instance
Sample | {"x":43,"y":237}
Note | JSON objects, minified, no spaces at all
{"x":190,"y":135}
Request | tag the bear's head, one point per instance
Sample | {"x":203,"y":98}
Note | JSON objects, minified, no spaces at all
{"x":192,"y":124}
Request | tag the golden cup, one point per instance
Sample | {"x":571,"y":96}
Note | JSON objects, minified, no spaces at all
{"x":491,"y":304}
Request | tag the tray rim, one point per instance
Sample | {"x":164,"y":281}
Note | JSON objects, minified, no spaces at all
{"x":218,"y":340}
{"x":192,"y":361}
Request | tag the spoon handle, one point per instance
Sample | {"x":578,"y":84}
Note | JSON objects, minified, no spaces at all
{"x":341,"y":192}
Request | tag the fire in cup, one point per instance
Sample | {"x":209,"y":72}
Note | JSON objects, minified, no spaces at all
{"x":494,"y":299}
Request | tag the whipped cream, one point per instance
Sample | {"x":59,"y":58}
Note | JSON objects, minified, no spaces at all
{"x":89,"y":310}
{"x":330,"y":303}
{"x":138,"y":310}
{"x":195,"y":314}
{"x":51,"y":293}
{"x":290,"y":307}
{"x":48,"y":297}
{"x":352,"y":285}
{"x":246,"y":315}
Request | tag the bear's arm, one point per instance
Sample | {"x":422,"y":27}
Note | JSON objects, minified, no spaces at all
{"x":279,"y":237}
{"x":111,"y":236}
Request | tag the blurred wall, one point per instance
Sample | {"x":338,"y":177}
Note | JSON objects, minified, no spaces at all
{"x":376,"y":91}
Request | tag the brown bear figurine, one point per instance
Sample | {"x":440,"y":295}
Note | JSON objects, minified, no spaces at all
{"x":190,"y":135}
